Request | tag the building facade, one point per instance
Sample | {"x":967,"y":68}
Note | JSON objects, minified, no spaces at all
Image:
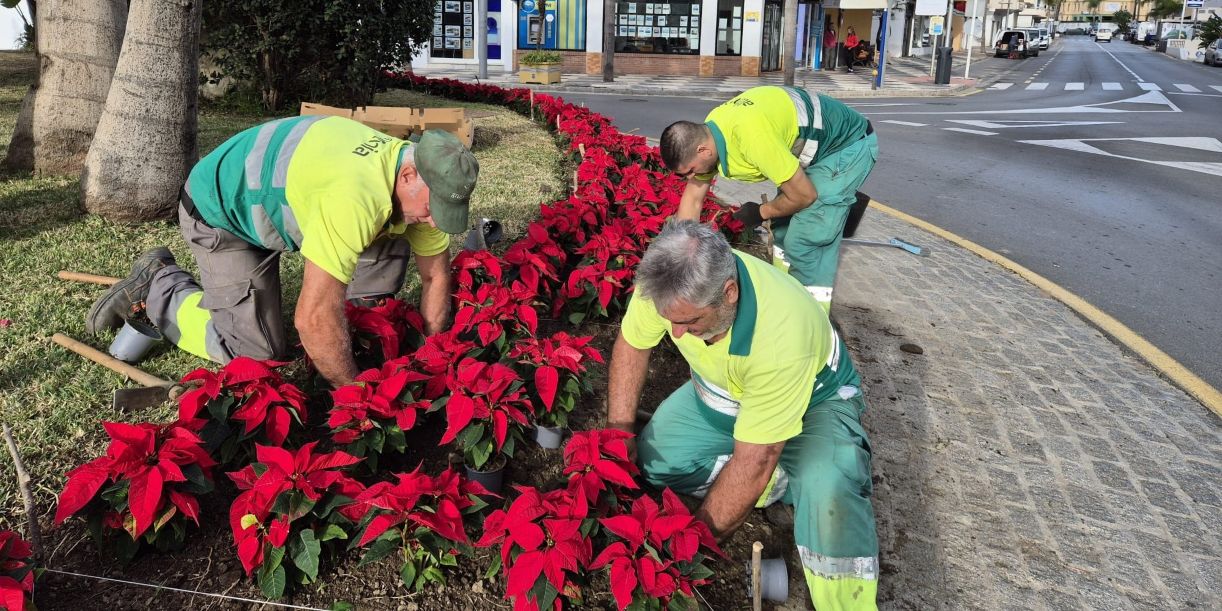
{"x":685,"y":37}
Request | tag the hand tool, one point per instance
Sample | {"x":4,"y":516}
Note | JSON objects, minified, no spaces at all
{"x":155,"y":392}
{"x":920,"y":251}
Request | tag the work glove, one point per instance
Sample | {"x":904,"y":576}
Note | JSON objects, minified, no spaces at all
{"x":749,"y":215}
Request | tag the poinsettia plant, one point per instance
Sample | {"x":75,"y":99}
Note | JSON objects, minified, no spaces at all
{"x":145,"y":487}
{"x":486,"y":411}
{"x":597,"y":462}
{"x":291,"y":504}
{"x":243,"y":403}
{"x":545,"y":547}
{"x":372,"y":415}
{"x":556,"y":365}
{"x":386,"y":330}
{"x":421,"y":517}
{"x":16,"y":573}
{"x":657,"y":555}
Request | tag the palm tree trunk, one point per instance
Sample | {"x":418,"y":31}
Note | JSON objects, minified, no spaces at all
{"x":77,"y":46}
{"x":145,"y":143}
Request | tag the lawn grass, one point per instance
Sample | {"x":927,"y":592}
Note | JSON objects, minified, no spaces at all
{"x":53,"y":399}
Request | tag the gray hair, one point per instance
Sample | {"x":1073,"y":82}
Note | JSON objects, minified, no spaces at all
{"x":688,"y":260}
{"x":679,"y":142}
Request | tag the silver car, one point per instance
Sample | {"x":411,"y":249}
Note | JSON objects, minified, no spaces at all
{"x":1213,"y":53}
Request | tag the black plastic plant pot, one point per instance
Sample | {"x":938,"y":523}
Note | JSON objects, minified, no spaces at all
{"x":491,"y":478}
{"x":134,"y":341}
{"x":550,"y":437}
{"x":774,"y":580}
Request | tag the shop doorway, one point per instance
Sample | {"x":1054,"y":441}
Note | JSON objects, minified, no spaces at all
{"x":770,"y":53}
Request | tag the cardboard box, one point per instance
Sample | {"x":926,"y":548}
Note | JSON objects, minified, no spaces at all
{"x":401,"y":122}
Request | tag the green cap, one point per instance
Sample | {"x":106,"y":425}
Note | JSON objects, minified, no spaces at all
{"x":450,"y":171}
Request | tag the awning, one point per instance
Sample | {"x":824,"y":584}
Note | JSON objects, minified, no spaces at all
{"x":862,"y":4}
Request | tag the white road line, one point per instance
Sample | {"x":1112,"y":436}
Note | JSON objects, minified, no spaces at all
{"x":1112,"y":87}
{"x":1002,"y":86}
{"x":979,"y":132}
{"x":908,"y":123}
{"x":1218,"y":87}
{"x":1074,"y":86}
{"x":1037,"y":86}
{"x":1139,"y":79}
{"x":1150,"y":86}
{"x":1187,"y":88}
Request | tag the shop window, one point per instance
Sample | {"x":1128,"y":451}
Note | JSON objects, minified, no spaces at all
{"x":729,"y":27}
{"x":552,"y":24}
{"x":657,"y":27}
{"x":454,"y":29}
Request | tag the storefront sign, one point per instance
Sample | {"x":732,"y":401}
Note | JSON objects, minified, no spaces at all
{"x":753,"y":16}
{"x":930,"y":7}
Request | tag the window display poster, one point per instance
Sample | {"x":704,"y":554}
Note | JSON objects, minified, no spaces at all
{"x":453,"y":31}
{"x":452,"y":43}
{"x":467,"y":19}
{"x":468,"y":43}
{"x":453,"y":6}
{"x":468,"y":7}
{"x":649,"y":9}
{"x":468,"y":32}
{"x":438,"y":43}
{"x":438,"y":30}
{"x":695,"y":9}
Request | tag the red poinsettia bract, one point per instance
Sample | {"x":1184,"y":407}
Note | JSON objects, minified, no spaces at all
{"x":594,"y":459}
{"x":657,"y":553}
{"x":540,"y":535}
{"x":16,"y":573}
{"x":151,"y":459}
{"x":264,"y":398}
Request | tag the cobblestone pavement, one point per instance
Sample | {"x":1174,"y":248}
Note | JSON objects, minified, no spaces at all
{"x":904,"y":77}
{"x":1022,"y":460}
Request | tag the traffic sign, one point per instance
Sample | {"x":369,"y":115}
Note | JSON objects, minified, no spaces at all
{"x":1194,"y":3}
{"x":936,"y":24}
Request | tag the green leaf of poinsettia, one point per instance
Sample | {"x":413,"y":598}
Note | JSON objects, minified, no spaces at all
{"x":305,"y":554}
{"x":273,"y":584}
{"x":408,"y":574}
{"x":332,"y":531}
{"x":380,"y":549}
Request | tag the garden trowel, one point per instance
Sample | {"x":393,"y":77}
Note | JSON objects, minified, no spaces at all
{"x":155,"y":390}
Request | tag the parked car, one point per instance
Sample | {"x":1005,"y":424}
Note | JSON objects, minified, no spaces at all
{"x":1103,"y":36}
{"x":1017,"y":41}
{"x":1045,"y":39}
{"x":1213,"y":53}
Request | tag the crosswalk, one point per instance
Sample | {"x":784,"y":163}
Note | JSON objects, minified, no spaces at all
{"x":1106,"y":86}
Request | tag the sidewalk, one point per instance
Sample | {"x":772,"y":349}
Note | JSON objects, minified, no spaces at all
{"x":908,"y":76}
{"x":1022,"y":460}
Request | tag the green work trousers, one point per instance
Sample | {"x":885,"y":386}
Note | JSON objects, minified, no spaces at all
{"x":824,"y":473}
{"x":808,"y":243}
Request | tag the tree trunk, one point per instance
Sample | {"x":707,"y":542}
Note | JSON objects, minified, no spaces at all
{"x":145,"y":143}
{"x":608,"y":41}
{"x":77,"y":45}
{"x":789,"y":48}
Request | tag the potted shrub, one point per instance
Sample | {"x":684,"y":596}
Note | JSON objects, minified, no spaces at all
{"x":541,"y":67}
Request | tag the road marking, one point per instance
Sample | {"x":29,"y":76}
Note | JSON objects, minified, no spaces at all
{"x":1149,"y":97}
{"x":1002,"y":86}
{"x":965,"y":130}
{"x":1111,"y":87}
{"x":1012,"y":124}
{"x":908,"y":123}
{"x":1218,"y":87}
{"x":1191,"y":142}
{"x":1199,"y":95}
{"x":1150,"y":86}
{"x":1139,"y":79}
{"x":1074,"y":86}
{"x":1187,"y":88}
{"x":1037,"y":86}
{"x":1177,"y":373}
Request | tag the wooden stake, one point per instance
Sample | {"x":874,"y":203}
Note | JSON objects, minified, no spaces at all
{"x":23,"y":484}
{"x":757,"y":602}
{"x":532,"y":104}
{"x":83,"y":277}
{"x":581,"y":148}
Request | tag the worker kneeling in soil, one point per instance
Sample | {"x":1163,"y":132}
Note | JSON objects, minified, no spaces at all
{"x":772,"y":411}
{"x":816,"y":149}
{"x":353,"y":200}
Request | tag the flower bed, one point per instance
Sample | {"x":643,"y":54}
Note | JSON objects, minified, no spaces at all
{"x":486,"y":380}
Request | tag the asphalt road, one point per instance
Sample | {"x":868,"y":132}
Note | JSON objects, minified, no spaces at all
{"x":1097,"y":165}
